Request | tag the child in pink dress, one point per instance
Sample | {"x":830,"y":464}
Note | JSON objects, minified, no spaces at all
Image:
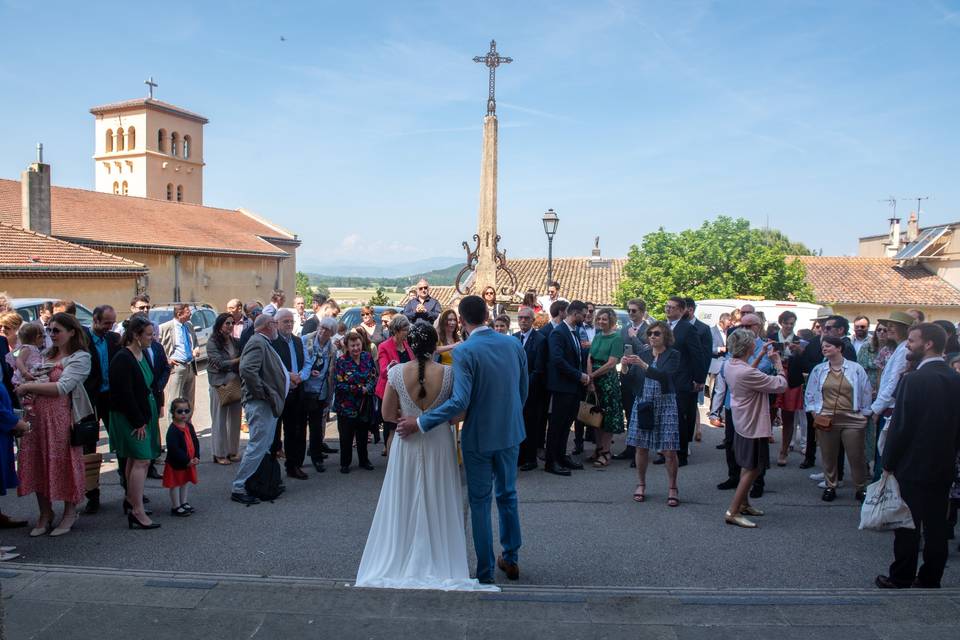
{"x":27,"y":360}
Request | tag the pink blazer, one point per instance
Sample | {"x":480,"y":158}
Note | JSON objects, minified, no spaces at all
{"x":387,"y":352}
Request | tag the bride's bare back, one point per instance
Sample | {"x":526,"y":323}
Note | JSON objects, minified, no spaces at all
{"x":432,"y":382}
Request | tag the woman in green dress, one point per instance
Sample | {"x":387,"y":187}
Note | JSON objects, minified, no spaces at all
{"x":133,"y":427}
{"x":605,"y":352}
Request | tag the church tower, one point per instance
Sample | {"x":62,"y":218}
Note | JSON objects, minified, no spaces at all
{"x":150,"y":149}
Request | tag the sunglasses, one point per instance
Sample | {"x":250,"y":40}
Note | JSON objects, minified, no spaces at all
{"x":182,"y":411}
{"x":143,"y":307}
{"x":366,"y":315}
{"x":654,"y":333}
{"x":633,"y":310}
{"x":422,"y":288}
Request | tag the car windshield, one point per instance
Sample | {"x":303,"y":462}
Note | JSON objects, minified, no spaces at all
{"x":159,"y":316}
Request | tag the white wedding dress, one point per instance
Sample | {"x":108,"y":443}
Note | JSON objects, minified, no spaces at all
{"x":417,"y":538}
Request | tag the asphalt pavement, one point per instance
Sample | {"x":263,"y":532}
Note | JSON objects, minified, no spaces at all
{"x":584,"y":530}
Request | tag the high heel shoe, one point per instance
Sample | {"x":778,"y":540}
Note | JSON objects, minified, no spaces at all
{"x":36,"y":532}
{"x":62,"y":530}
{"x":127,"y":508}
{"x":133,"y":523}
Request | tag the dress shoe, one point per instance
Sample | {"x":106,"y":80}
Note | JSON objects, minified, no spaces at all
{"x":133,"y":523}
{"x":750,"y":510}
{"x":739,"y":521}
{"x":721,"y":446}
{"x":829,"y":495}
{"x":153,"y":474}
{"x":555,"y":469}
{"x":807,"y":464}
{"x":366,"y":465}
{"x":528,"y":466}
{"x":92,"y":506}
{"x":179,"y":512}
{"x":626,"y":454}
{"x":660,"y":459}
{"x":512,"y":569}
{"x":489,"y":580}
{"x":318,"y":465}
{"x":885,"y":582}
{"x":729,"y":483}
{"x":6,"y":522}
{"x":62,"y":530}
{"x":823,"y":485}
{"x":327,"y":449}
{"x":756,"y":491}
{"x":244,"y":498}
{"x":296,"y":473}
{"x":188,"y":507}
{"x":569,"y":463}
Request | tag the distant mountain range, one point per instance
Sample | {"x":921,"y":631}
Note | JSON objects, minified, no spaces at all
{"x":437,"y":277}
{"x":395,"y":270}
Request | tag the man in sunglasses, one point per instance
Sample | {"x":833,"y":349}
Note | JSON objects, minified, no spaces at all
{"x":423,"y":307}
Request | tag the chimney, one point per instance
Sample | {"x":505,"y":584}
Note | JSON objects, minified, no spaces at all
{"x":913,"y":227}
{"x":35,"y":195}
{"x":893,"y":242}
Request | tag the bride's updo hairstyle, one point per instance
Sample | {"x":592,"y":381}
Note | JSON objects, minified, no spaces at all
{"x":423,"y":342}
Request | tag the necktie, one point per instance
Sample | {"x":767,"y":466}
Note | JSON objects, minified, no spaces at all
{"x":523,"y":339}
{"x":186,"y":342}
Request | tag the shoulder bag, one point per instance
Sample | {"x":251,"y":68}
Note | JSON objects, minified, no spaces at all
{"x":229,"y":392}
{"x":590,"y":414}
{"x":85,"y":430}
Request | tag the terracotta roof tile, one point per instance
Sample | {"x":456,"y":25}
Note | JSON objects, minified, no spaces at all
{"x":856,"y":280}
{"x":148,"y":102}
{"x":578,"y":278}
{"x":23,"y":252}
{"x":106,"y":220}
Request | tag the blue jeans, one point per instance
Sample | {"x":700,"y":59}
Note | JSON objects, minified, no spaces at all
{"x":262,"y":424}
{"x":486,"y":471}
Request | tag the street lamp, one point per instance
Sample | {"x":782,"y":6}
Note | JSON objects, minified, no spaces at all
{"x":550,"y":222}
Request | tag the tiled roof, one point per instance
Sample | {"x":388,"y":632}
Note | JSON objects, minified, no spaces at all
{"x":856,"y":280}
{"x":148,"y":102}
{"x":25,"y":252}
{"x":578,"y":278}
{"x":106,"y":220}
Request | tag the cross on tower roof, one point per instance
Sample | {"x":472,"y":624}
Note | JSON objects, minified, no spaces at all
{"x":493,"y":60}
{"x":150,"y":83}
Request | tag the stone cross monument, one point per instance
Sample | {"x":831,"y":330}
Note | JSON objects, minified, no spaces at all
{"x":486,"y":259}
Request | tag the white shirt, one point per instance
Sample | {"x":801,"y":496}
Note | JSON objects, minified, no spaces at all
{"x":930,"y":359}
{"x":894,"y":368}
{"x":545,"y":302}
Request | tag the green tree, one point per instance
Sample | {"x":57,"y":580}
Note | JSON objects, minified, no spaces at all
{"x":777,"y":239}
{"x":303,"y":285}
{"x":724,"y":258}
{"x":379,"y":298}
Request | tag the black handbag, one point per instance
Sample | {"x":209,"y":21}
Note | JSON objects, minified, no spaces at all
{"x":85,"y":432}
{"x":645,"y":418}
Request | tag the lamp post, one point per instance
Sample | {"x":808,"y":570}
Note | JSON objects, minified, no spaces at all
{"x":550,"y":222}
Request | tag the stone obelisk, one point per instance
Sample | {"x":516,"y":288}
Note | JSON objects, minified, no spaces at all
{"x":486,"y":270}
{"x":486,"y":273}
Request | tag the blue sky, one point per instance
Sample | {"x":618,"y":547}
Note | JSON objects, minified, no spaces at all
{"x":362,"y":130}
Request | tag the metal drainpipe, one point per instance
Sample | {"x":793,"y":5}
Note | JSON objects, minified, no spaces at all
{"x":176,"y":277}
{"x":276,"y":281}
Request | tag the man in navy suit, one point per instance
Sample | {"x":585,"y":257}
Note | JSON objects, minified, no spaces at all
{"x":490,"y":386}
{"x":565,"y":380}
{"x":692,"y":373}
{"x":534,"y":409}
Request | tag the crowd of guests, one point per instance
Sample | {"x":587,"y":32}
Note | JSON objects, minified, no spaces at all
{"x":278,"y":373}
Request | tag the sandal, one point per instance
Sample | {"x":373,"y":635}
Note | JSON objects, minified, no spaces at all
{"x":639,"y":493}
{"x":603,"y":459}
{"x":674,"y":501}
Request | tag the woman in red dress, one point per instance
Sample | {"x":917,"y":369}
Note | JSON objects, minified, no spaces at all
{"x":183,"y":456}
{"x":49,"y":465}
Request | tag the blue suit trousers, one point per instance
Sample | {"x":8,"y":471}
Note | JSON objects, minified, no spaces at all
{"x":486,"y":472}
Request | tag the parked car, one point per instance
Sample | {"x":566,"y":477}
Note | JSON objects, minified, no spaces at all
{"x":351,"y":317}
{"x":202,"y":316}
{"x":29,"y":309}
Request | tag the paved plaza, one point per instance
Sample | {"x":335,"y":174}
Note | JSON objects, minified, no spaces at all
{"x":590,"y":553}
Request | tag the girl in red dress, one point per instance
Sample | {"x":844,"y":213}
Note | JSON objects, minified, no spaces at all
{"x":183,"y":456}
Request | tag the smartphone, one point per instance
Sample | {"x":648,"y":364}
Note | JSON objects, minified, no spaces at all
{"x":628,"y":349}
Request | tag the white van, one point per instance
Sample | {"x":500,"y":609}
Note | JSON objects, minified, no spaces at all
{"x":708,"y":311}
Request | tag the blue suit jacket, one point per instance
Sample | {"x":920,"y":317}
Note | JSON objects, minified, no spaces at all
{"x":565,"y":369}
{"x":490,"y":384}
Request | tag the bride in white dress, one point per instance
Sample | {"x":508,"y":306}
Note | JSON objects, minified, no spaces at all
{"x":417,"y":538}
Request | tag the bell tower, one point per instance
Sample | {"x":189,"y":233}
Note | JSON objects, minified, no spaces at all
{"x":149,"y":148}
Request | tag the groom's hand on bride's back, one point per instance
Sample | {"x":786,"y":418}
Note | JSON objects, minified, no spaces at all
{"x":407,"y":426}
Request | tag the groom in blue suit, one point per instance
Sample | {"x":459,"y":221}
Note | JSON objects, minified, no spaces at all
{"x":490,"y":385}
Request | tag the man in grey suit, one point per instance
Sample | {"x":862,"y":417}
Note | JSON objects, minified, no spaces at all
{"x":490,"y":385}
{"x":265,"y":382}
{"x":179,"y":340}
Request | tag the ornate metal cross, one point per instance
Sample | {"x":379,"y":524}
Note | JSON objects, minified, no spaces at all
{"x":150,"y":83}
{"x":492,"y":60}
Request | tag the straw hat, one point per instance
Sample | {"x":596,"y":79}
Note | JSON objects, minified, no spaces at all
{"x":900,"y":317}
